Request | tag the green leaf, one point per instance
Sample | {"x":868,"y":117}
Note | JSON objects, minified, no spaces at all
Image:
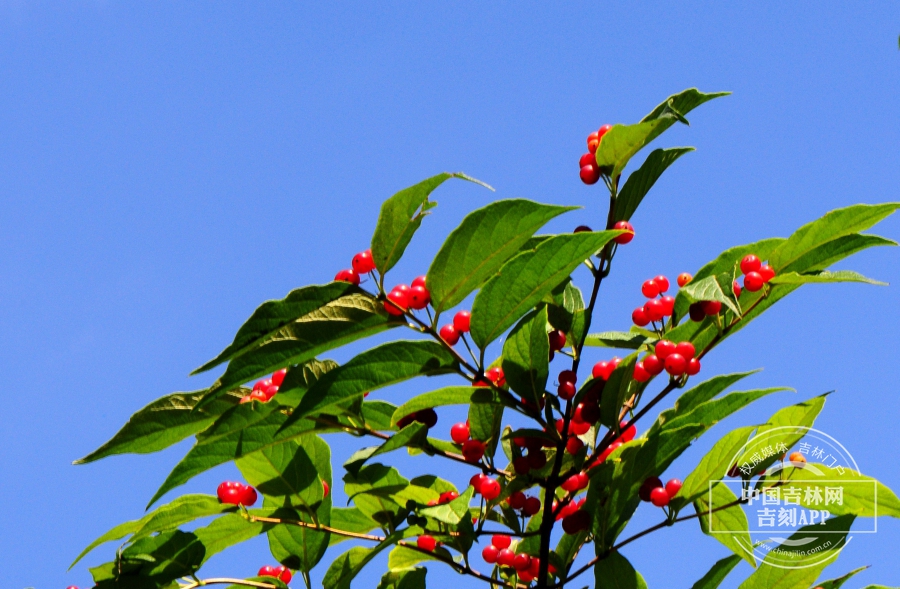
{"x":346,"y":566}
{"x":162,"y":423}
{"x":403,"y":558}
{"x":835,"y":583}
{"x":226,"y":531}
{"x":615,"y":572}
{"x":621,"y":142}
{"x":401,"y":216}
{"x":532,"y":544}
{"x":833,"y":251}
{"x":164,"y":557}
{"x":566,"y":311}
{"x":833,"y":225}
{"x":526,"y":354}
{"x":376,"y":489}
{"x":731,"y":518}
{"x":698,"y":395}
{"x":485,"y":423}
{"x":350,"y":519}
{"x":715,"y":575}
{"x":482,"y":243}
{"x":344,"y":320}
{"x":768,"y":576}
{"x":823,"y":276}
{"x":713,"y":466}
{"x":617,"y":390}
{"x":621,"y":340}
{"x":455,"y":395}
{"x":524,"y":280}
{"x":379,"y":367}
{"x":118,"y":532}
{"x":786,"y":427}
{"x":642,"y":180}
{"x":269,"y":318}
{"x":270,"y":581}
{"x":712,"y":412}
{"x":713,"y":288}
{"x":287,"y":470}
{"x":404,"y":579}
{"x":413,"y":434}
{"x":452,"y":512}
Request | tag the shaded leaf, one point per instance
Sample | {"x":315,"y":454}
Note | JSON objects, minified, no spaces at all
{"x":823,"y":277}
{"x":526,"y":354}
{"x":455,"y":395}
{"x":733,"y":519}
{"x":715,"y":575}
{"x":642,"y":180}
{"x":615,"y":572}
{"x":622,"y":340}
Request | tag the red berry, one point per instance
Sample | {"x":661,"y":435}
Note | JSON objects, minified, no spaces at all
{"x":501,"y":541}
{"x":419,"y":297}
{"x":693,"y":367}
{"x":516,"y":500}
{"x":473,"y":450}
{"x":659,"y":497}
{"x":603,"y":131}
{"x":627,"y":433}
{"x":490,"y":489}
{"x":400,"y":299}
{"x":736,"y":288}
{"x":245,"y":399}
{"x":583,"y":480}
{"x":576,"y":522}
{"x":449,"y":334}
{"x":650,"y":289}
{"x":537,"y":459}
{"x":521,"y":562}
{"x":426,"y":542}
{"x":593,"y":140}
{"x":363,"y":262}
{"x":625,"y":237}
{"x":477,"y":480}
{"x":347,"y":276}
{"x":418,"y":281}
{"x":284,"y":574}
{"x":461,"y":321}
{"x":609,"y":450}
{"x":750,"y":263}
{"x":586,"y":413}
{"x":582,"y":229}
{"x":663,"y":348}
{"x":766,"y":272}
{"x":326,"y":490}
{"x":672,"y":488}
{"x":526,"y":576}
{"x":655,"y":309}
{"x":662,"y":282}
{"x":566,"y":390}
{"x":686,"y":349}
{"x":278,"y":377}
{"x":753,"y":281}
{"x":573,"y":445}
{"x":447,"y":497}
{"x":684,"y":278}
{"x":579,"y":428}
{"x":267,"y":571}
{"x":640,"y":373}
{"x":260,"y":385}
{"x":496,"y":376}
{"x":602,"y":370}
{"x":270,"y":392}
{"x":532,"y":506}
{"x":521,"y":465}
{"x":647,"y":486}
{"x":489,"y":554}
{"x":571,"y":484}
{"x":590,"y":174}
{"x":653,"y":364}
{"x":260,"y":396}
{"x":697,"y":312}
{"x":567,"y":376}
{"x":668,"y":303}
{"x":587,"y":159}
{"x":712,"y":307}
{"x":459,"y":432}
{"x":506,"y":557}
{"x":675,"y":364}
{"x":639,"y":317}
{"x":557,"y":340}
{"x":230,"y":492}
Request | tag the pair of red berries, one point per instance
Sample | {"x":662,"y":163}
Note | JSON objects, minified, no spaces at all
{"x":281,"y":573}
{"x":577,"y":482}
{"x":527,"y":505}
{"x":428,"y":417}
{"x":656,"y":308}
{"x":265,"y":389}
{"x":235,"y":493}
{"x":628,"y":434}
{"x":362,"y":263}
{"x":403,"y":297}
{"x":485,"y":486}
{"x":494,"y":375}
{"x":676,"y":359}
{"x":566,"y":388}
{"x":756,"y":274}
{"x":535,"y":460}
{"x":445,"y":497}
{"x":653,"y":491}
{"x":590,"y":171}
{"x":604,"y":368}
{"x":451,"y":332}
{"x":574,"y":518}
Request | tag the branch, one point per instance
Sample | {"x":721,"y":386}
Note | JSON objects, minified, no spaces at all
{"x":227,"y":581}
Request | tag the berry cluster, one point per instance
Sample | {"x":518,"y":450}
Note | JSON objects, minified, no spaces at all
{"x":501,"y":553}
{"x":403,"y":297}
{"x":527,"y":505}
{"x":756,"y":274}
{"x":676,"y":359}
{"x":451,"y":332}
{"x":235,"y":493}
{"x":653,"y":491}
{"x":590,"y":171}
{"x":265,"y":389}
{"x":427,"y":417}
{"x":445,"y":497}
{"x":658,"y":307}
{"x":574,"y":518}
{"x":485,"y":486}
{"x":281,"y":573}
{"x":536,"y":459}
{"x":362,"y":264}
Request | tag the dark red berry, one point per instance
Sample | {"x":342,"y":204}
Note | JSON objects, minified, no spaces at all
{"x":427,"y":417}
{"x":753,"y":281}
{"x":521,"y":562}
{"x":571,"y":484}
{"x":567,"y":376}
{"x":566,"y":390}
{"x":625,"y":237}
{"x":521,"y":465}
{"x":647,"y":486}
{"x":582,"y":229}
{"x":576,"y":522}
{"x":697,"y":312}
{"x":449,"y":334}
{"x":750,"y":263}
{"x":477,"y":480}
{"x":347,"y":276}
{"x":557,"y":340}
{"x":537,"y":459}
{"x":473,"y":450}
{"x":459,"y":432}
{"x":426,"y":542}
{"x":573,"y":445}
{"x":712,"y":307}
{"x":461,"y":321}
{"x":590,"y":174}
{"x":516,"y":500}
{"x":532,"y":506}
{"x":579,"y":429}
{"x":363,"y":262}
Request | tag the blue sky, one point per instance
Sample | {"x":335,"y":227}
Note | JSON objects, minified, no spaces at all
{"x":168,"y":166}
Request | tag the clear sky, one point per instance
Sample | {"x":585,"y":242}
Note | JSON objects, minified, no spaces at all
{"x":165,"y":167}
